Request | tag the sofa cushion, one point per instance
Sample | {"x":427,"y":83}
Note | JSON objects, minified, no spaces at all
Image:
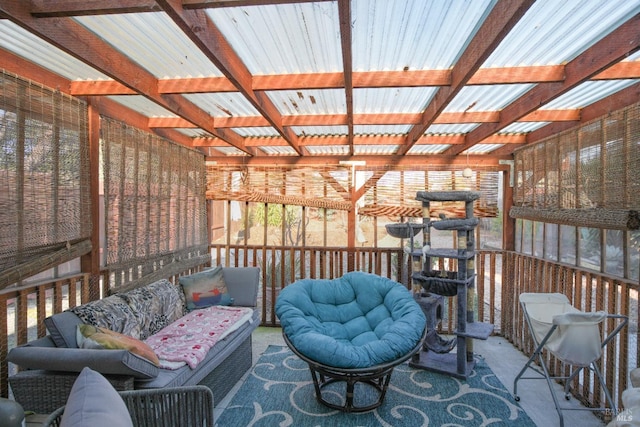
{"x":90,"y":336}
{"x":242,"y":283}
{"x":113,"y":362}
{"x":205,"y":289}
{"x":155,"y":306}
{"x":94,"y":402}
{"x":111,"y":313}
{"x":62,"y":328}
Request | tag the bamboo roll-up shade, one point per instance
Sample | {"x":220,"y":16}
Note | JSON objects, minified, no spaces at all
{"x":588,"y":176}
{"x":329,"y":186}
{"x":44,"y":173}
{"x":395,"y":193}
{"x":317,"y":186}
{"x":154,"y":195}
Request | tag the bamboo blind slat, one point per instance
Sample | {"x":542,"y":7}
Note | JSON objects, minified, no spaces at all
{"x":154,"y":196}
{"x":588,"y":176}
{"x":44,"y":172}
{"x":329,"y":186}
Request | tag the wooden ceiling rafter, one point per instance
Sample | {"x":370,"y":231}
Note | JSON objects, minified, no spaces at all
{"x":76,"y":40}
{"x":105,"y":106}
{"x":344,"y":11}
{"x":617,"y":101}
{"x":370,"y":140}
{"x":197,"y":26}
{"x":66,"y":8}
{"x":616,"y":46}
{"x":502,"y":18}
{"x":361,"y":80}
{"x":37,"y":17}
{"x":370,"y":119}
{"x":372,"y":161}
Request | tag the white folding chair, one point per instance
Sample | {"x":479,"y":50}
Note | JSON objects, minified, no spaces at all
{"x":572,"y":336}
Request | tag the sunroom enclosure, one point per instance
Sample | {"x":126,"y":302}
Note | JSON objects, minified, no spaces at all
{"x":103,"y":235}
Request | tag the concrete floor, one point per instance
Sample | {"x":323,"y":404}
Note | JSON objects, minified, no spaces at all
{"x":505,"y":361}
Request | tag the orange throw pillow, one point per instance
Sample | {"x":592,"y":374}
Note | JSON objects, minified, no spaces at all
{"x":89,"y":336}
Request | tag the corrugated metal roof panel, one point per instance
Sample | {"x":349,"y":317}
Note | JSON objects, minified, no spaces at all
{"x":486,"y":97}
{"x":482,"y":148}
{"x":555,"y":32}
{"x":284,"y":38}
{"x":428,"y":148}
{"x":316,"y":101}
{"x":381,"y":129}
{"x":523,"y":127}
{"x":418,"y":34}
{"x":194,"y":132}
{"x":257,"y":131}
{"x":320,"y":130}
{"x":392,"y":100}
{"x":278,"y":150}
{"x":142,"y":105}
{"x":154,"y":41}
{"x":24,"y":44}
{"x":451,"y":129}
{"x":588,"y":93}
{"x":231,"y":151}
{"x":223,"y":104}
{"x":375,"y":149}
{"x":327,"y":150}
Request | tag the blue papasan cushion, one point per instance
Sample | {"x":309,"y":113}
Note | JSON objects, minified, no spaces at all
{"x":356,"y":321}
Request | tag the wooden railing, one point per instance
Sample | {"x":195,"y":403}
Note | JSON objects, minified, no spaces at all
{"x":587,"y":291}
{"x":282,"y":265}
{"x":501,"y":277}
{"x":23,"y":310}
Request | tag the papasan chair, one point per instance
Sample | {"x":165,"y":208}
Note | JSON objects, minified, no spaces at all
{"x":353,"y":329}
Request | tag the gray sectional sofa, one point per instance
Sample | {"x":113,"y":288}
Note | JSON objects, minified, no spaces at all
{"x":49,"y":365}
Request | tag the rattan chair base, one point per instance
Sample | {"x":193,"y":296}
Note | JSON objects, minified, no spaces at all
{"x":376,"y":376}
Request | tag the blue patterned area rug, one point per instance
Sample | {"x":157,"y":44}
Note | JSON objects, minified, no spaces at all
{"x":279,"y":392}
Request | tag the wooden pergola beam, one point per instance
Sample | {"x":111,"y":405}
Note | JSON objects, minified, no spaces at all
{"x":342,"y":140}
{"x":617,"y":101}
{"x":104,"y":106}
{"x":199,"y":28}
{"x":368,"y":119}
{"x":502,"y":18}
{"x":419,"y":161}
{"x":66,"y":8}
{"x":344,"y":12}
{"x":58,"y":8}
{"x":619,"y":44}
{"x":76,"y":40}
{"x":360,"y":79}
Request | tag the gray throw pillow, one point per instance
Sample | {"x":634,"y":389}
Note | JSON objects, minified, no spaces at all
{"x":94,"y":402}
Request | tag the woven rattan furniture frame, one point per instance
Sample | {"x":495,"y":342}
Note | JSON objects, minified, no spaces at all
{"x":166,"y":407}
{"x":376,"y":376}
{"x":44,"y":391}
